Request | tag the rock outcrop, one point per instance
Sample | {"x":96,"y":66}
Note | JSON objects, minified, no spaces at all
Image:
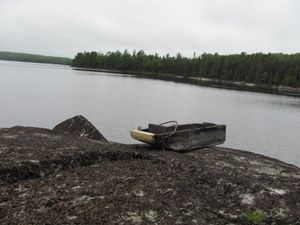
{"x":53,"y":177}
{"x":79,"y":126}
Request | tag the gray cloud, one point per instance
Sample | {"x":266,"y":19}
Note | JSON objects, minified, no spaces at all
{"x":56,"y":27}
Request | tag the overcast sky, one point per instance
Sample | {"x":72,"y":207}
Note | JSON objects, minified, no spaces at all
{"x":65,"y":27}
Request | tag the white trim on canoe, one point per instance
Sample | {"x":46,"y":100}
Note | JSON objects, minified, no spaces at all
{"x":143,"y":136}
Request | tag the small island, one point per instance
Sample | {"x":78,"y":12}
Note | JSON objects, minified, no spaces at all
{"x":73,"y":175}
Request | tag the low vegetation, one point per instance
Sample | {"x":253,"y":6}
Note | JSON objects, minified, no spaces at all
{"x":24,"y":57}
{"x":255,"y":217}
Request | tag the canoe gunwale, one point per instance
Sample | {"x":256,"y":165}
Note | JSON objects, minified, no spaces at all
{"x":186,"y":137}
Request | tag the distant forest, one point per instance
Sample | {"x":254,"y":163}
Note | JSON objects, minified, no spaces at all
{"x":259,"y":68}
{"x":24,"y":57}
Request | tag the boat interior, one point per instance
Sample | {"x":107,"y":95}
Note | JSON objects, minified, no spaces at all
{"x":157,"y":129}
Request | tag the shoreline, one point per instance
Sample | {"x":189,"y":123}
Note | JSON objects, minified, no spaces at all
{"x":205,"y":82}
{"x":72,"y":174}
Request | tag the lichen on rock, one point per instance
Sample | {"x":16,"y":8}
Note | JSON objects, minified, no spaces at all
{"x":57,"y":177}
{"x":81,"y":127}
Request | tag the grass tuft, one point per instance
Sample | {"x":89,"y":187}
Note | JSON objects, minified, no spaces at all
{"x":255,"y":217}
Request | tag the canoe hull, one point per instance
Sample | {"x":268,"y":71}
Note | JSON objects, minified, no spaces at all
{"x":187,"y":137}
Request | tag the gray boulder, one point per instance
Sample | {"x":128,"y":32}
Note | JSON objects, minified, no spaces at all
{"x":79,"y":126}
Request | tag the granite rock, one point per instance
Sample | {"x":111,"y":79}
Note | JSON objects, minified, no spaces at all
{"x":80,"y":126}
{"x":51,"y":177}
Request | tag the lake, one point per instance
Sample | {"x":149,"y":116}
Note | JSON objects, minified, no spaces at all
{"x":42,"y":95}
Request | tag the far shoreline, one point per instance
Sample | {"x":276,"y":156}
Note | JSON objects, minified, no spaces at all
{"x":199,"y":81}
{"x":205,"y":82}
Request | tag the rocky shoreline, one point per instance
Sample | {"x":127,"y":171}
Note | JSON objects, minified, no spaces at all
{"x":73,"y":175}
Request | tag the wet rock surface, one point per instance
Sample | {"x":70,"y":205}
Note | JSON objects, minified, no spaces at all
{"x":51,"y":177}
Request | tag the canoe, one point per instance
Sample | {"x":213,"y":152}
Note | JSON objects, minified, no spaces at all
{"x":181,"y":138}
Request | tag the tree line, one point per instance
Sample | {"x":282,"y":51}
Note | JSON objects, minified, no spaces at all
{"x":259,"y":68}
{"x":24,"y":57}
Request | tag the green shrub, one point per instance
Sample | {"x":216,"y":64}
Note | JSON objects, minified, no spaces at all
{"x":255,"y":217}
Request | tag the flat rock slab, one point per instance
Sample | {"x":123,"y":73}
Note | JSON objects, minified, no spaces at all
{"x":48,"y":177}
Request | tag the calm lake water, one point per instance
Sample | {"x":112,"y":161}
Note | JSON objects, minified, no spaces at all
{"x":43,"y":95}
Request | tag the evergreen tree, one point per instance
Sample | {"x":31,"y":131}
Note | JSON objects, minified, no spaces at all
{"x":258,"y":68}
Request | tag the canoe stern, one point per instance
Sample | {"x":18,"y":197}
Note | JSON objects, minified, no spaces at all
{"x":143,"y":136}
